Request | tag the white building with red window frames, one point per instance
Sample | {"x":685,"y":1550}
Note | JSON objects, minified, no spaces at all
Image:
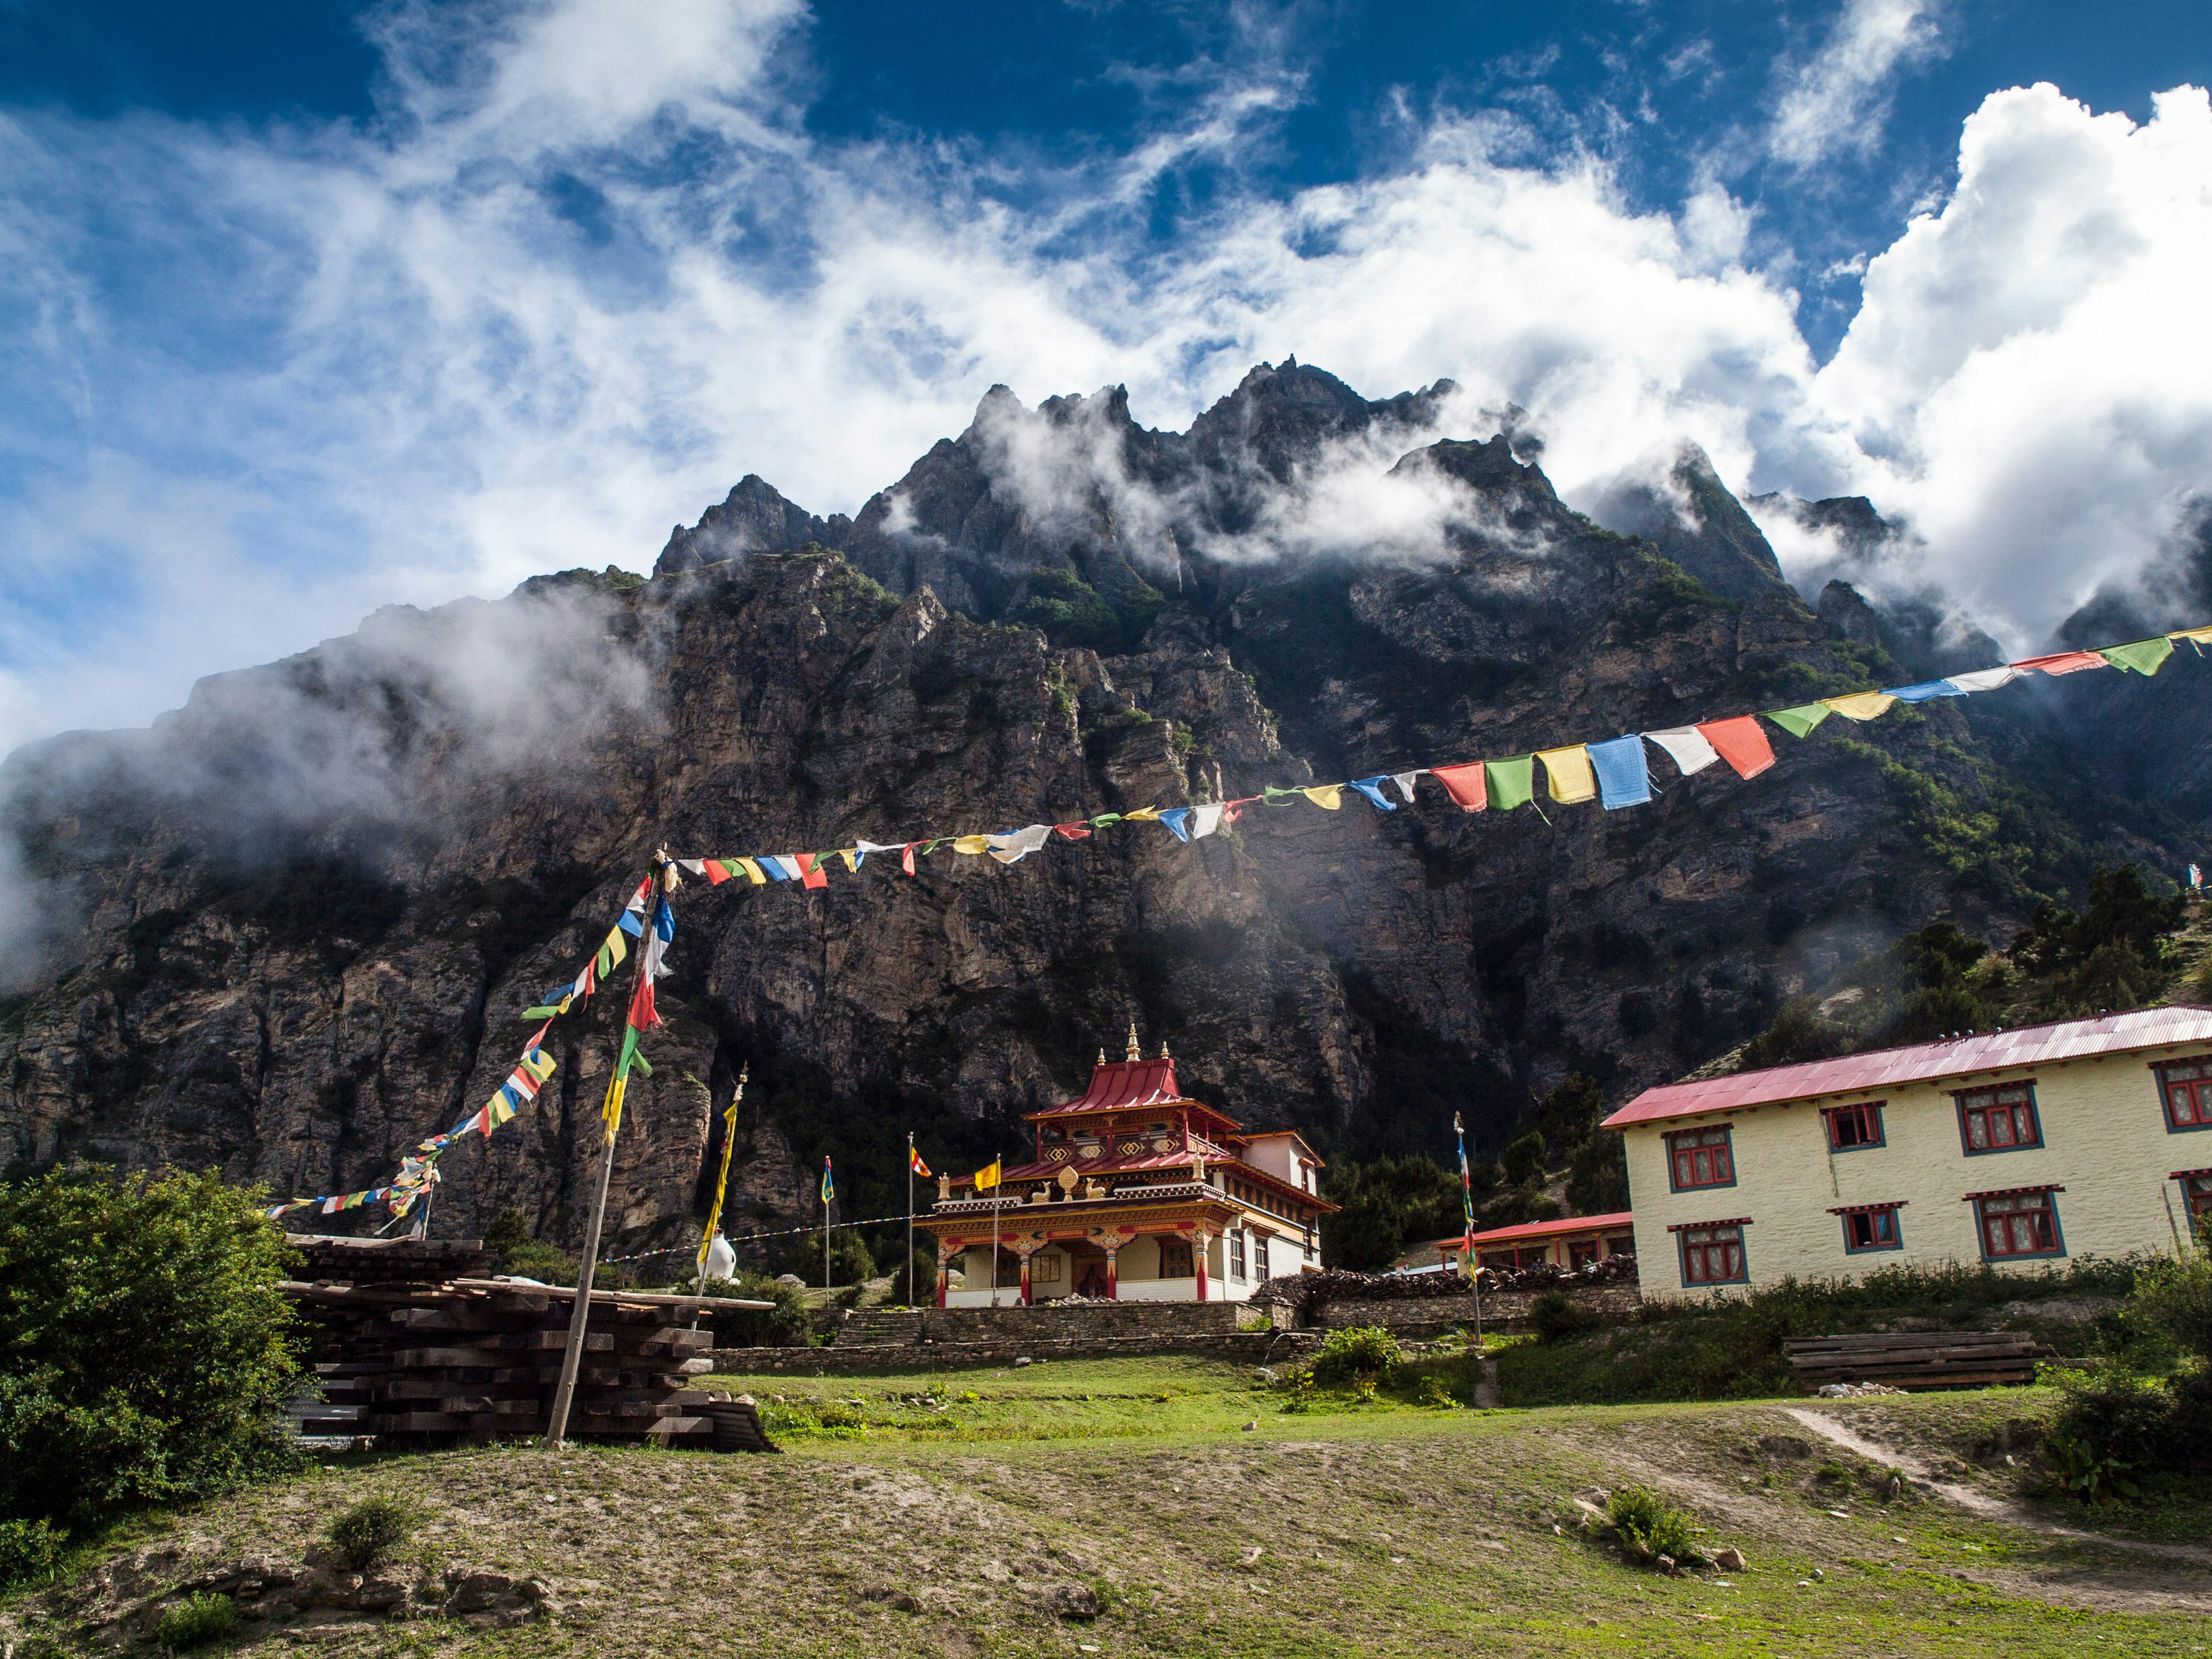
{"x":2015,"y":1148}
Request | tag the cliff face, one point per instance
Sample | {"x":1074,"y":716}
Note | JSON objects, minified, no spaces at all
{"x":293,"y":927}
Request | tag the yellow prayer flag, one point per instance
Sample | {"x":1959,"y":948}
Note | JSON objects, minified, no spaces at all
{"x":612,"y":1110}
{"x":1568,"y":773}
{"x":851,"y":863}
{"x":970,"y":843}
{"x":987,"y":1178}
{"x":1860,"y":705}
{"x":613,"y":953}
{"x":1143,"y":815}
{"x":1328,"y":795}
{"x":2201,"y":636}
{"x":752,"y":869}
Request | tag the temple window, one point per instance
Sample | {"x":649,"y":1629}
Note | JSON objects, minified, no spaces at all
{"x":1175,"y":1258}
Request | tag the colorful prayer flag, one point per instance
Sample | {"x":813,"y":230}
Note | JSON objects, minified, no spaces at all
{"x":1925,"y":692}
{"x":1983,"y":679}
{"x":1329,"y":796}
{"x":828,"y":1183}
{"x":1740,"y":743}
{"x":2061,"y":662}
{"x":971,"y":844}
{"x":1464,"y":784}
{"x":1205,"y":820}
{"x":1624,"y":775}
{"x":915,"y":1162}
{"x":1567,"y":771}
{"x":1798,"y":722}
{"x":1861,"y":705}
{"x":1013,"y":848}
{"x":1405,"y":782}
{"x":1687,"y":747}
{"x":1509,"y":783}
{"x":1174,"y":818}
{"x":988,"y":1176}
{"x":811,"y":872}
{"x":2143,"y":657}
{"x":1372,"y":788}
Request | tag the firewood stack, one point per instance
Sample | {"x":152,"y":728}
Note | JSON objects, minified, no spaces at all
{"x":418,"y":1341}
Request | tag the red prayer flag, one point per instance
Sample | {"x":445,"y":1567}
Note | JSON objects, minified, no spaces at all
{"x":642,"y":1014}
{"x":1075,"y":831}
{"x":1740,"y":743}
{"x":715,"y":874}
{"x":812,"y":874}
{"x":2064,"y":662}
{"x":1465,"y":783}
{"x":906,"y":856}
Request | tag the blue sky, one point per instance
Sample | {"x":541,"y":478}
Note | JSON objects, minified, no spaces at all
{"x":307,"y":307}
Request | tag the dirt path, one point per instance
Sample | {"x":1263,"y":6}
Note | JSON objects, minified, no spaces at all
{"x":1839,"y":1433}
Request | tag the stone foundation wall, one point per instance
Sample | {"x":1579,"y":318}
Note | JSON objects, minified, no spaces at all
{"x":1503,"y":1311}
{"x":1239,"y":1347}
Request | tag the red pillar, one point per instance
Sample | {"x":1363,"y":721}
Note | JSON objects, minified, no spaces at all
{"x":1025,"y":1281}
{"x":1113,"y":1280}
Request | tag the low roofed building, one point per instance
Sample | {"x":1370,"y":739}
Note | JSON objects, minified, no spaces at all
{"x":2018,"y":1148}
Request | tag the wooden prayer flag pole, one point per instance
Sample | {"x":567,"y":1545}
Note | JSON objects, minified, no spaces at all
{"x":564,"y":1395}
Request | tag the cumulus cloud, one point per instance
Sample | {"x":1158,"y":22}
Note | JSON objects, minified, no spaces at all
{"x":587,"y":266}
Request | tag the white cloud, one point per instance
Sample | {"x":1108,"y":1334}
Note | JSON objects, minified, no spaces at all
{"x":1839,"y":101}
{"x":585,"y":271}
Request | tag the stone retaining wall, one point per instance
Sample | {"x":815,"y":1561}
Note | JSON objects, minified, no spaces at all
{"x":1236,"y":1348}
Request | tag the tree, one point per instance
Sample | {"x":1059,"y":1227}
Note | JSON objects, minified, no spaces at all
{"x":145,"y":1352}
{"x":1522,"y":1161}
{"x":1386,"y":1205}
{"x":1597,"y":1175}
{"x":1568,"y":1116}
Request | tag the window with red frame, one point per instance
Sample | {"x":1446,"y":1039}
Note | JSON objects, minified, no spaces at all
{"x":2000,"y":1119}
{"x":1581,"y":1252}
{"x":1175,"y":1258}
{"x":1514,"y":1256}
{"x":1872,"y":1229}
{"x":1850,"y":1127}
{"x":1713,"y":1256}
{"x":2019,"y":1223}
{"x":1700,"y":1157}
{"x":2198,"y":1189}
{"x":2187,"y":1088}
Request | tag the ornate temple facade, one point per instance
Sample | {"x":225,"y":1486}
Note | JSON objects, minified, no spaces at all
{"x":1135,"y":1192}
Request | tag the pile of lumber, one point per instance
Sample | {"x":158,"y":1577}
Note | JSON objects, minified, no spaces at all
{"x":405,"y":1351}
{"x":1918,"y":1359}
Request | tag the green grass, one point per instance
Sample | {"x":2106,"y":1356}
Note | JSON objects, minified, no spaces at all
{"x":1388,"y":1529}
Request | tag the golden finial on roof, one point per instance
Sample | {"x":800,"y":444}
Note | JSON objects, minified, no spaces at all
{"x":1102,"y":1055}
{"x":1134,"y":1053}
{"x":1164,"y":1051}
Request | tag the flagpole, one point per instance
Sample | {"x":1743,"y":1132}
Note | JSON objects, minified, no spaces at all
{"x":998,"y":1187}
{"x":909,"y":1219}
{"x":564,"y":1395}
{"x":1467,"y":1209}
{"x":826,"y":1225}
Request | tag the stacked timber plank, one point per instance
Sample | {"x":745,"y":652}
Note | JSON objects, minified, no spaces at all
{"x":404,"y":1352}
{"x":1918,"y":1359}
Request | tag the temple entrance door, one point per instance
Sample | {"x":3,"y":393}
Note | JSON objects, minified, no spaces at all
{"x":1087,"y":1274}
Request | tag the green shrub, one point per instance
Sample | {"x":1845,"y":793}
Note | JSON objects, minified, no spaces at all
{"x":367,"y":1533}
{"x":145,"y":1352}
{"x":915,"y":1284}
{"x":1364,"y":1356}
{"x":195,"y":1621}
{"x":29,"y":1553}
{"x":1555,"y":1315}
{"x":1649,"y":1526}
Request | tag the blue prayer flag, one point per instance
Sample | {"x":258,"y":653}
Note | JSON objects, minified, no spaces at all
{"x":1174,"y":818}
{"x":1372,"y":788}
{"x":1926,"y":690}
{"x":1624,"y":775}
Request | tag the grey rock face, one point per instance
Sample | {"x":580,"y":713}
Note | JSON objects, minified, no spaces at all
{"x":301,"y":919}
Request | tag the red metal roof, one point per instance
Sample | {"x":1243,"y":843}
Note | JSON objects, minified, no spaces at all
{"x":1924,"y":1062}
{"x":1574,"y":1223}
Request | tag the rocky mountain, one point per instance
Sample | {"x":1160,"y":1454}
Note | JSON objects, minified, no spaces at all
{"x":291,"y":929}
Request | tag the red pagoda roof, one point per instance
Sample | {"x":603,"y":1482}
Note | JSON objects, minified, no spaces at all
{"x":1122,"y":1086}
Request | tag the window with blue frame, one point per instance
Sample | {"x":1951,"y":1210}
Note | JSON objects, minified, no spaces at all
{"x":1712,"y":1253}
{"x":1700,"y":1157}
{"x":2186,"y":1088}
{"x":1871,"y":1227}
{"x":2020,"y":1223}
{"x":1850,"y":1127}
{"x":1998,"y":1119}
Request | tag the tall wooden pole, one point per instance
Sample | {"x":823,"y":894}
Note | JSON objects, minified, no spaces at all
{"x":909,"y":1219}
{"x":557,"y":1426}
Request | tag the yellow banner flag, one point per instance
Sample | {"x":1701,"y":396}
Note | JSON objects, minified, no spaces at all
{"x":970,"y":843}
{"x":1330,"y":795}
{"x":1860,"y":705}
{"x":987,"y":1178}
{"x":612,"y":1110}
{"x":1568,"y":773}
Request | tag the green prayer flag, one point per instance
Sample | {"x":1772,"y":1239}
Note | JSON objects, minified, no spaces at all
{"x":1105,"y":818}
{"x":545,"y":1013}
{"x":2144,"y":656}
{"x":1799,"y":722}
{"x":629,"y":1055}
{"x":1511,"y":783}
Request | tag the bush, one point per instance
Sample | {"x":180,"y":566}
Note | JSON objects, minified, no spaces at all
{"x":367,"y":1533}
{"x":916,"y":1283}
{"x":1365,"y":1355}
{"x":1649,"y":1526}
{"x":29,"y":1553}
{"x":2122,"y":1434}
{"x":195,"y":1621}
{"x":783,"y":1326}
{"x":144,"y":1351}
{"x":1555,"y":1317}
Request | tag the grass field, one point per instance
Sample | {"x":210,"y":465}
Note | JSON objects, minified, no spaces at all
{"x":939,"y":1514}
